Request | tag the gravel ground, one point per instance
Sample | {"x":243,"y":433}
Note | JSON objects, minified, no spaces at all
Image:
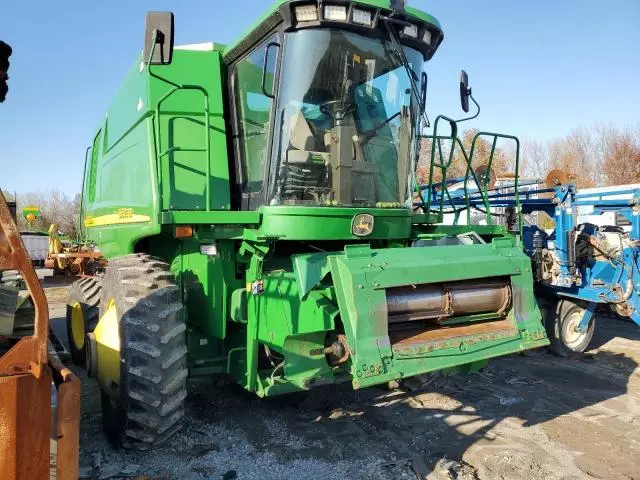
{"x":529,"y":416}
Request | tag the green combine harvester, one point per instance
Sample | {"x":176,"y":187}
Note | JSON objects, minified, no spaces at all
{"x":255,"y":202}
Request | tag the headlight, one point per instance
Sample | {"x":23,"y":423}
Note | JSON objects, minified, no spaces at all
{"x":362,"y":17}
{"x":427,"y":37}
{"x":411,"y":31}
{"x":336,"y":13}
{"x":306,"y":13}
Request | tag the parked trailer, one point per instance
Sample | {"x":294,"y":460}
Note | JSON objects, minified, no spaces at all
{"x":37,"y":245}
{"x":591,"y":214}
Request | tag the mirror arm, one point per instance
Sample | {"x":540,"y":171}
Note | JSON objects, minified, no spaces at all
{"x":153,"y":46}
{"x":155,"y":75}
{"x":474,"y":115}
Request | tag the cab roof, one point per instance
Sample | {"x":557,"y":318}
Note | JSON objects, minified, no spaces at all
{"x":272,"y":18}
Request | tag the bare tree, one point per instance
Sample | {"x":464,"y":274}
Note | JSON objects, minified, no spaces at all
{"x":600,"y":154}
{"x":535,"y":159}
{"x":55,"y":207}
{"x":575,"y":155}
{"x":622,"y":163}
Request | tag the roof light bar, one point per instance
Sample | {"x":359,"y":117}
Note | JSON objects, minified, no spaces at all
{"x":411,"y":31}
{"x":312,"y":14}
{"x":306,"y":13}
{"x":362,"y":17}
{"x":336,"y":13}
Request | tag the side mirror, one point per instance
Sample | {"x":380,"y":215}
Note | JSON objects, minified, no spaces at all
{"x":465,"y":91}
{"x":423,"y":93}
{"x":158,"y":38}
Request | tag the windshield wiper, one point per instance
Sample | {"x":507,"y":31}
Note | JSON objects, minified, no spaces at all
{"x":398,"y":52}
{"x":369,"y":134}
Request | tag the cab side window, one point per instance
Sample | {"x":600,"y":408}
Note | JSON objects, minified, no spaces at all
{"x":253,"y":109}
{"x":91,"y":172}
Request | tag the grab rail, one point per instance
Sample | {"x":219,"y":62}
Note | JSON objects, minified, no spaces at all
{"x":207,"y":139}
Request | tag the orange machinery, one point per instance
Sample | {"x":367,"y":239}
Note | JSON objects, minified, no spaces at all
{"x":34,"y":437}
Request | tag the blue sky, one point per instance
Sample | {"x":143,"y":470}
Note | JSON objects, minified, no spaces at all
{"x":539,"y":69}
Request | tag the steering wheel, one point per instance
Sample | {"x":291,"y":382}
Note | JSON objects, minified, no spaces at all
{"x":331,"y":109}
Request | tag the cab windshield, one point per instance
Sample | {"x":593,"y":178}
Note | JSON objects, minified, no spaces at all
{"x":345,"y":122}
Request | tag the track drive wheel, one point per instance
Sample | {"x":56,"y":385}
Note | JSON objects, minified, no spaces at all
{"x":144,"y":406}
{"x":561,"y":324}
{"x":82,"y":315}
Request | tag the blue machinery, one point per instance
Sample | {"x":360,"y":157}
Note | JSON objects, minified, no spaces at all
{"x":578,"y":267}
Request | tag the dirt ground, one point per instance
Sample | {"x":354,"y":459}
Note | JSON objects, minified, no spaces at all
{"x":531,"y":416}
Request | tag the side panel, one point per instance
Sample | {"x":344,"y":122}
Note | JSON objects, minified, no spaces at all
{"x":124,"y":208}
{"x":143,"y":162}
{"x":206,"y":282}
{"x":182,"y":133}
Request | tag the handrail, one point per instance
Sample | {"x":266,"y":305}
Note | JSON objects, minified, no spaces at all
{"x":206,"y":150}
{"x":432,"y":163}
{"x":483,"y":189}
{"x":207,"y":126}
{"x":469,"y":199}
{"x":82,"y":233}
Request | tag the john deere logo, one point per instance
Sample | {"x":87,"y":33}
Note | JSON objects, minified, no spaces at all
{"x":362,"y":224}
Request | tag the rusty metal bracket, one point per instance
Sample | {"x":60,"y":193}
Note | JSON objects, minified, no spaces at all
{"x":27,"y":377}
{"x":29,"y":355}
{"x":67,"y":421}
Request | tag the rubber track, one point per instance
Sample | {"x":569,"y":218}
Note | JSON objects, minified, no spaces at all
{"x":153,"y":349}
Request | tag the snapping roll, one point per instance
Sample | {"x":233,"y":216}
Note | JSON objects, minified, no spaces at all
{"x":439,"y":301}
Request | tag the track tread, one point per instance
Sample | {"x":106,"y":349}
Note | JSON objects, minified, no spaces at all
{"x":153,"y":372}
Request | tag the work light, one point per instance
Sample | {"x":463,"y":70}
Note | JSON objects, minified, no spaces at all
{"x":306,"y":13}
{"x":362,"y":17}
{"x":411,"y":31}
{"x":427,"y":37}
{"x":335,"y":12}
{"x":209,"y":249}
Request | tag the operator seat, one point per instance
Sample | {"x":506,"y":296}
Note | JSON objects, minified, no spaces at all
{"x":302,"y":143}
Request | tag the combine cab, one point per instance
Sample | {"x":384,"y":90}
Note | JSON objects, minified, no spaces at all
{"x":256,"y":205}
